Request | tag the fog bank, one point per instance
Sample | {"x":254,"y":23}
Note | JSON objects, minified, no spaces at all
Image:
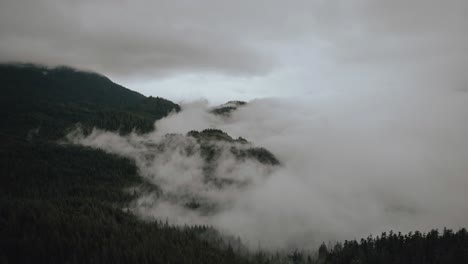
{"x":352,"y":165}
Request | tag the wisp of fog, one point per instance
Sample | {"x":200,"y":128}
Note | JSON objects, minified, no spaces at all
{"x":351,"y":165}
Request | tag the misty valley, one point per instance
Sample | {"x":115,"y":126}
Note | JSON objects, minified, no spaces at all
{"x":92,"y":172}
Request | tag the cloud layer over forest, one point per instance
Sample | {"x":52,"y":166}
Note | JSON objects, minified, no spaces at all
{"x":369,"y":123}
{"x":363,"y":167}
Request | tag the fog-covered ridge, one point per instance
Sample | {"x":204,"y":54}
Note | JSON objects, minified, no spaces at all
{"x":345,"y":171}
{"x":189,"y":178}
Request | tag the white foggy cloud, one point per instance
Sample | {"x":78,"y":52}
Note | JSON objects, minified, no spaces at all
{"x":350,"y":167}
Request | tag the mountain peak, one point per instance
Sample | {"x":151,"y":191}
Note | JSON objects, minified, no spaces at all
{"x":227,"y":108}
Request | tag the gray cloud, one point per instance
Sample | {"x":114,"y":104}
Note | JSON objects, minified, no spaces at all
{"x":350,"y":167}
{"x":145,"y":37}
{"x":425,"y":42}
{"x":160,"y":38}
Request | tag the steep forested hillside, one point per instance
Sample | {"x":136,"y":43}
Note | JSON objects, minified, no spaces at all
{"x":63,"y":203}
{"x":44,"y":103}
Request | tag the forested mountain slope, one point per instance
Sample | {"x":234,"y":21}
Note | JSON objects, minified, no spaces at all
{"x":44,"y":103}
{"x":64,"y":203}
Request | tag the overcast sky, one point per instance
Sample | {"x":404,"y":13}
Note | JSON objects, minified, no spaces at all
{"x":243,"y":49}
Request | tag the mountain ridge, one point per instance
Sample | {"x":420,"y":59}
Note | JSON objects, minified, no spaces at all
{"x":66,"y":203}
{"x":53,"y":100}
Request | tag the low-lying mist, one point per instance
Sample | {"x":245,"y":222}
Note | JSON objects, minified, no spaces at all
{"x":352,"y":164}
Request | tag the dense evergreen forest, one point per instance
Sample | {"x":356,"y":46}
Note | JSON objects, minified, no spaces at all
{"x":227,"y":108}
{"x":62,"y":203}
{"x":44,"y":104}
{"x":432,"y":247}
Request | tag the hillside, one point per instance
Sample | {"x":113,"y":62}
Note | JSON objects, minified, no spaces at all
{"x":67,"y":203}
{"x":227,"y":108}
{"x":44,"y":103}
{"x":63,"y":203}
